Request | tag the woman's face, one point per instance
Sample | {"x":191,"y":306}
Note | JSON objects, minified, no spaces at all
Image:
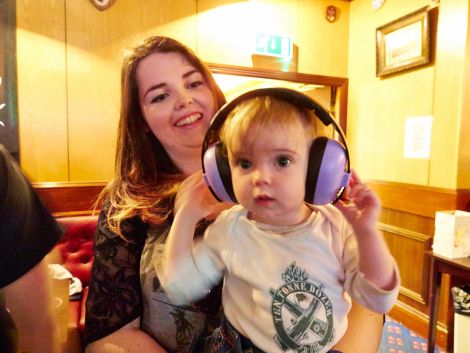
{"x":176,"y":103}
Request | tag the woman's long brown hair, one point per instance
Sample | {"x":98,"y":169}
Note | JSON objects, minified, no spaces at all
{"x":146,"y":178}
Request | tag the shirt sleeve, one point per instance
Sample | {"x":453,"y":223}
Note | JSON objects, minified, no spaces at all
{"x":199,"y":273}
{"x":362,"y":290}
{"x":114,"y":297}
{"x":27,"y":230}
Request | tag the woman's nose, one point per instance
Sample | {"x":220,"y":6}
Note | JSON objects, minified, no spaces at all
{"x":184,"y":99}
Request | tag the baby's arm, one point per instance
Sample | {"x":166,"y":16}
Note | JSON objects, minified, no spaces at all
{"x":193,"y":203}
{"x":361,"y":207}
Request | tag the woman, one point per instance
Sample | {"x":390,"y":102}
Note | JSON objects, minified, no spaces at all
{"x":168,"y":100}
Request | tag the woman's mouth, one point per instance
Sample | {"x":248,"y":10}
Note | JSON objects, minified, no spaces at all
{"x":187,"y":120}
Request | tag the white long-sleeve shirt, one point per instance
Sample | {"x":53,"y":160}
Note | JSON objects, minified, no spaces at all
{"x":284,"y":287}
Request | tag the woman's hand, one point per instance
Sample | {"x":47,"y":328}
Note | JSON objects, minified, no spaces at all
{"x":359,"y":204}
{"x":196,"y":199}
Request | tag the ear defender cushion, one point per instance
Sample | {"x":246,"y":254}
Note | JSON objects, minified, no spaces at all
{"x":216,"y":173}
{"x":326,"y":175}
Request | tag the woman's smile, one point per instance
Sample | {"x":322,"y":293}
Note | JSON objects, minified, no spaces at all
{"x":189,"y":120}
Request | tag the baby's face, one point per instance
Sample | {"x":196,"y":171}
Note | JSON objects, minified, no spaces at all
{"x":269,"y":174}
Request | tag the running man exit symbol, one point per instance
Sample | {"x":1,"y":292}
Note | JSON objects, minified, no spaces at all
{"x":274,"y":45}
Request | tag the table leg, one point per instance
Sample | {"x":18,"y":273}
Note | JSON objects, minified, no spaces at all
{"x":436,"y":277}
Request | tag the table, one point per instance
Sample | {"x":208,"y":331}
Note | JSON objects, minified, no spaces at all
{"x":459,"y":272}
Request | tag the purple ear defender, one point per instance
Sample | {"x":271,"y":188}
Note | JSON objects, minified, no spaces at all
{"x":331,"y":176}
{"x":212,"y":177}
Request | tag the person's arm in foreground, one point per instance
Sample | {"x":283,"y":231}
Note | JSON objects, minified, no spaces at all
{"x":27,"y":233}
{"x":29,"y":301}
{"x":362,"y":210}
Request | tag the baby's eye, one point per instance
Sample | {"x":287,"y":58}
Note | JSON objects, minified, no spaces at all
{"x":196,"y":84}
{"x":283,"y":161}
{"x":159,"y":98}
{"x":244,"y":164}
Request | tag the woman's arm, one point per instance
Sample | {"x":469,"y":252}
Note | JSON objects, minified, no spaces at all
{"x":114,"y":302}
{"x":128,"y":339}
{"x":364,"y":331}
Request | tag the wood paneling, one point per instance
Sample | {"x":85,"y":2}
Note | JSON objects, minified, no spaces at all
{"x":404,"y":245}
{"x":96,"y":43}
{"x":42,"y":94}
{"x":69,"y":56}
{"x":419,"y":200}
{"x":407,"y":221}
{"x":323,"y":46}
{"x":68,"y":198}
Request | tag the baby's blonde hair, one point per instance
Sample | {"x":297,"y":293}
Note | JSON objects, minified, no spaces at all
{"x":251,"y":117}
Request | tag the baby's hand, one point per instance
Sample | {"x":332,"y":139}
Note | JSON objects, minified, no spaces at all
{"x":359,"y":204}
{"x":197,"y":201}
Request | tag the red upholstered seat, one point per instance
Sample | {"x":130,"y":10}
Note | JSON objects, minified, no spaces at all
{"x":76,"y":250}
{"x":76,"y":245}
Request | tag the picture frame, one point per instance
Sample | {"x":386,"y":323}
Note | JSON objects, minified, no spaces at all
{"x":404,"y":43}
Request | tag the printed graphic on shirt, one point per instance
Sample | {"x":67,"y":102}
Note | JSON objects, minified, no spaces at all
{"x":302,"y":313}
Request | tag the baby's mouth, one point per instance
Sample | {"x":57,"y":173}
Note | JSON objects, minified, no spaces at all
{"x":263,"y":198}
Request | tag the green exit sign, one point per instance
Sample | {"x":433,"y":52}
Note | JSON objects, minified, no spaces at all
{"x":274,"y":45}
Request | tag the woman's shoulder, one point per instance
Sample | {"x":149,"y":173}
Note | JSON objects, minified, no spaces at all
{"x":132,"y":228}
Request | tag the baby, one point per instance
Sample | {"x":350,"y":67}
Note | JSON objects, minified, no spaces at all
{"x":289,"y":267}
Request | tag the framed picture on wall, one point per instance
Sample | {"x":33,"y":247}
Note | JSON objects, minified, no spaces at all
{"x":403,"y":43}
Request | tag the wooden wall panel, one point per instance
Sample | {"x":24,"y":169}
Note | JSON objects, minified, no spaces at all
{"x":322,"y":46}
{"x":68,"y":198}
{"x":96,"y":43}
{"x":405,"y":245}
{"x":407,"y":221}
{"x":69,"y":56}
{"x":42,"y":95}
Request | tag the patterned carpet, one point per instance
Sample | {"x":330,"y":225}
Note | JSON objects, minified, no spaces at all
{"x":399,"y":339}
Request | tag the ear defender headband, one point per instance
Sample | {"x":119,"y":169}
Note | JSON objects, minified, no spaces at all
{"x":328,"y":170}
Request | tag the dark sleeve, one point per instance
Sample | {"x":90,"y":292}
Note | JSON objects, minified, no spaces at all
{"x":114,"y":297}
{"x":27,"y":230}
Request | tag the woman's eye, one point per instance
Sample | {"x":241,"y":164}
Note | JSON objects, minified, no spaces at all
{"x":196,"y":84}
{"x":283,"y":161}
{"x":244,"y":164}
{"x":159,"y":98}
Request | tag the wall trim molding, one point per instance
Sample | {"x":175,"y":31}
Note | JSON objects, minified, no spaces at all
{"x":422,"y":238}
{"x":69,"y":197}
{"x":403,"y":197}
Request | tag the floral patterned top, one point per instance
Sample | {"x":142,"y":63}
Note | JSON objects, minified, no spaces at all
{"x":124,"y":286}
